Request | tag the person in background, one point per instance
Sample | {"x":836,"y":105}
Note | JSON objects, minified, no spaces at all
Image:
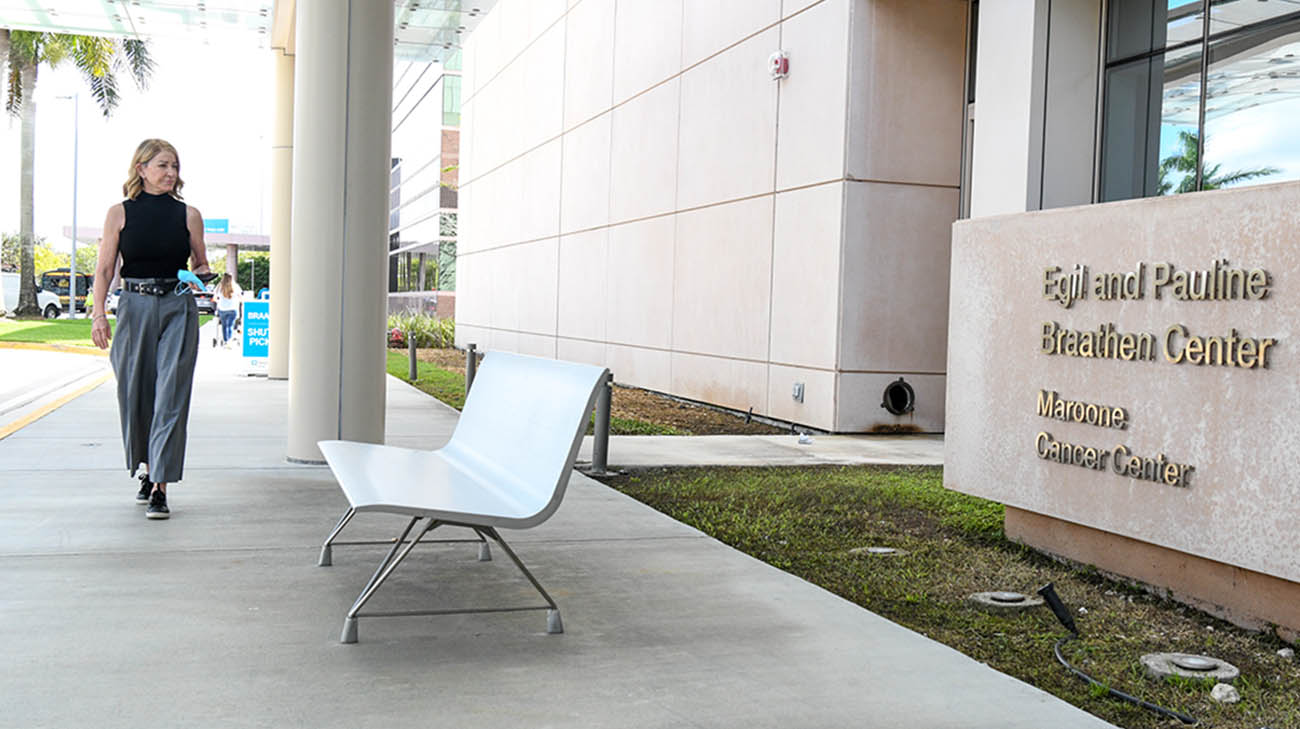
{"x":157,"y":340}
{"x":227,"y":297}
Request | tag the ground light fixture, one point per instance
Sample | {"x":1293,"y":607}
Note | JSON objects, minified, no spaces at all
{"x":1062,"y":613}
{"x":1003,"y":601}
{"x":1164,"y":665}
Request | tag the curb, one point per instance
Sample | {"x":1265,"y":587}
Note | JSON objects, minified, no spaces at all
{"x":66,"y":348}
{"x":11,"y":428}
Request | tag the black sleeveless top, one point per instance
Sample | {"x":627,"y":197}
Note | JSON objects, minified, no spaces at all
{"x":154,"y":242}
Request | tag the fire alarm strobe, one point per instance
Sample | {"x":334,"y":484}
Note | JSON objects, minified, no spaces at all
{"x":778,"y":64}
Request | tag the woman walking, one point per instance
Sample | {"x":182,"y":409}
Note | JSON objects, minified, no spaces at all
{"x":157,"y":338}
{"x":227,"y":297}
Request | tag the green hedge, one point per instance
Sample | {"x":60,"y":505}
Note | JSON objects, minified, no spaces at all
{"x":429,"y":331}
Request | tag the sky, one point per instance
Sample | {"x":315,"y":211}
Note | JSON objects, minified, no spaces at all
{"x":215,"y":105}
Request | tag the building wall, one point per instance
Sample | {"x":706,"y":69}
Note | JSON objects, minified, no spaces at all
{"x":902,"y":193}
{"x":637,"y":192}
{"x":1035,"y":105}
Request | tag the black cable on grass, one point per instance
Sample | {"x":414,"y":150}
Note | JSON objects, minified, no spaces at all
{"x":1048,"y":593}
{"x":1184,"y":718}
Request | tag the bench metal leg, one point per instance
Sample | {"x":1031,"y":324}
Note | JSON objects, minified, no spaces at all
{"x":386,"y":568}
{"x":553,"y":622}
{"x":484,"y":549}
{"x":371,"y":586}
{"x":327,"y":550}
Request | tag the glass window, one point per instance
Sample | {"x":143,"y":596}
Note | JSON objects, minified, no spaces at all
{"x":403,"y":282}
{"x":1229,"y":15}
{"x":1172,"y":126}
{"x":1129,"y":25}
{"x":451,"y":101}
{"x":447,"y":266}
{"x":1183,"y":23}
{"x":1252,"y":108}
{"x":1139,"y":27}
{"x":430,"y":271}
{"x":1150,"y":105}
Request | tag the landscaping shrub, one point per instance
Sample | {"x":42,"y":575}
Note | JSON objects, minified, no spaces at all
{"x":429,"y":331}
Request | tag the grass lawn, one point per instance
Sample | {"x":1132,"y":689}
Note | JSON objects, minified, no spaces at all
{"x":449,"y":387}
{"x":54,"y":331}
{"x":806,"y":521}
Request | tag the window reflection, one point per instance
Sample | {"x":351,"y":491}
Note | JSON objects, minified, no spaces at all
{"x":1183,"y":21}
{"x":1159,"y":136}
{"x":1137,"y":27}
{"x":1229,"y":15}
{"x":426,"y":111}
{"x":1252,"y":110}
{"x":1151,"y":105}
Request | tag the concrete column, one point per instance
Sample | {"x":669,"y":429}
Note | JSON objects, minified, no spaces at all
{"x":281,"y":210}
{"x":1010,"y":67}
{"x":232,"y":260}
{"x":342,"y":122}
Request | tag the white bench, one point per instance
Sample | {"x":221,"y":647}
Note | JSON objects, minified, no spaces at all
{"x":506,"y":466}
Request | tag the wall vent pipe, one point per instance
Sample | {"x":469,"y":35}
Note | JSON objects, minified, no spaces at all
{"x":898,"y":398}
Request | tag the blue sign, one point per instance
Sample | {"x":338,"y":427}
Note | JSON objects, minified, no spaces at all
{"x":216,"y":225}
{"x":257,"y":329}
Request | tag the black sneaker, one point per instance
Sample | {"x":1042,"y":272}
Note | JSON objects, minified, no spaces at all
{"x":146,"y":488}
{"x":158,"y":506}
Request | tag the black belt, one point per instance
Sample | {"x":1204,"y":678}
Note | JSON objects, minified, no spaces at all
{"x":151,"y":286}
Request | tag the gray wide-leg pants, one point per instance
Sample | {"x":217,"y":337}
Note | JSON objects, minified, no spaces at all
{"x":154,"y":350}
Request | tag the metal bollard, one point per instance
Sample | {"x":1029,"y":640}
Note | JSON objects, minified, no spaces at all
{"x":412,"y":371}
{"x":471,"y":366}
{"x":600,"y":443}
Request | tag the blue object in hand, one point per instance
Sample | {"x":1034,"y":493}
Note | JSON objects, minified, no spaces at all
{"x":186,"y":278}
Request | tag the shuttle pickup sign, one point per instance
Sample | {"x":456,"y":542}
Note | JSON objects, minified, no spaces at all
{"x":257,"y":333}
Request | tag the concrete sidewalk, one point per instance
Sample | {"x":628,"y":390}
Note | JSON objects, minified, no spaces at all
{"x":645,"y":451}
{"x":220,"y":616}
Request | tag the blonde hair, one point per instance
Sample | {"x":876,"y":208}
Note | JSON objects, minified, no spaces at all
{"x":147,"y":150}
{"x":227,"y":286}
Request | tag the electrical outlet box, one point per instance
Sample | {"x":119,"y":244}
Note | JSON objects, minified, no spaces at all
{"x":797,"y":394}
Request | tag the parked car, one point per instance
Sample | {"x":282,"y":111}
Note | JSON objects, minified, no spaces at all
{"x":205,"y":302}
{"x":46,"y":300}
{"x":202,"y":299}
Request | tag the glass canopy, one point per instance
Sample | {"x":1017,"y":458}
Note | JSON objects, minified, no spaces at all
{"x":425,"y":30}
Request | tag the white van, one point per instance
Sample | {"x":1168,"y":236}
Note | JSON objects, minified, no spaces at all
{"x":47,"y":300}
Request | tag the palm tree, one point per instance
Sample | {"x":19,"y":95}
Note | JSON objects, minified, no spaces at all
{"x":1184,"y":161}
{"x":99,"y":60}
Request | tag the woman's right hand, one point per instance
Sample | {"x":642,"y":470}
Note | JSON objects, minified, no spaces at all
{"x":101,"y":332}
